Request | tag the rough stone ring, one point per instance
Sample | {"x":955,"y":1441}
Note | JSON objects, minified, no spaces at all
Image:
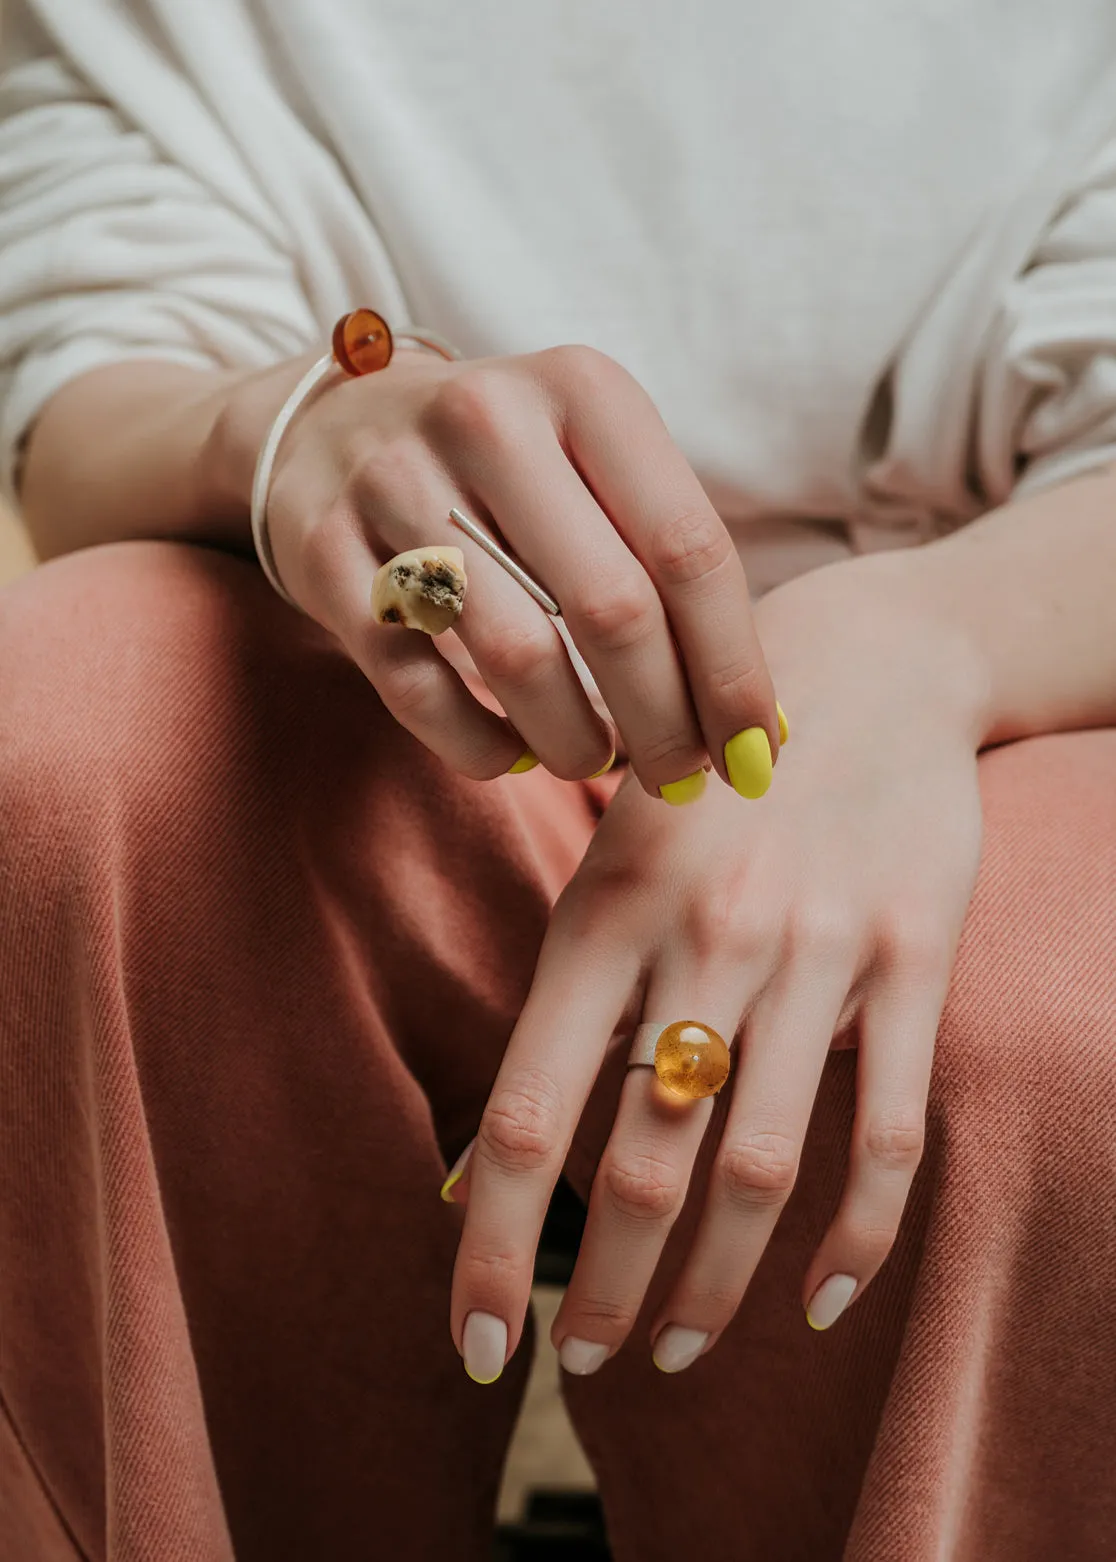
{"x":424,"y":588}
{"x":691,"y":1060}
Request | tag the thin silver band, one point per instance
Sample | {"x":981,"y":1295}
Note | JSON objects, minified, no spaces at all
{"x":261,"y":480}
{"x":516,"y":571}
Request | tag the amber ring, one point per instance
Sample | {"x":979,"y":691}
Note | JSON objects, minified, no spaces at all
{"x":691,"y":1059}
{"x":363,"y":343}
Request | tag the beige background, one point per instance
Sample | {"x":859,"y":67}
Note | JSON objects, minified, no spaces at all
{"x":15,"y":550}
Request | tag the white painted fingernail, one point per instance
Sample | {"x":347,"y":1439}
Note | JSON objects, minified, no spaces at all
{"x":829,"y":1301}
{"x":581,"y":1356}
{"x":484,"y":1344}
{"x":676,"y":1347}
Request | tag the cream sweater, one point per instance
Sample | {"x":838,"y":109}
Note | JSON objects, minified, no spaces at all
{"x":863,"y":255}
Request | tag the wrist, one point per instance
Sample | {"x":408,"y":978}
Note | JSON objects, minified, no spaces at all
{"x":880,"y":629}
{"x":242,"y":411}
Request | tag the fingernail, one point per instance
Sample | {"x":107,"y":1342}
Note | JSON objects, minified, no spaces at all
{"x":604,"y":770}
{"x":748,"y":762}
{"x":484,"y":1344}
{"x":457,"y":1171}
{"x":676,"y":1347}
{"x":581,"y":1356}
{"x":829,"y":1301}
{"x":784,"y":730}
{"x":688,"y":790}
{"x":526,"y":761}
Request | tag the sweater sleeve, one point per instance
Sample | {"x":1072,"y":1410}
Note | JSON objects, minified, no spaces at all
{"x":1046,"y":391}
{"x":110,"y":249}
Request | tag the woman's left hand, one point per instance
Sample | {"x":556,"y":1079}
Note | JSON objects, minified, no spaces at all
{"x":832,"y":905}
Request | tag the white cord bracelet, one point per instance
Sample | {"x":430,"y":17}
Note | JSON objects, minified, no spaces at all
{"x":362,"y":344}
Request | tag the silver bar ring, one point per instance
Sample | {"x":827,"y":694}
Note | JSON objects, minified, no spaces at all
{"x":516,"y":571}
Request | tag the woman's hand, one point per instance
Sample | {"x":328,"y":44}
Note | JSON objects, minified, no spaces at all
{"x":565,"y":455}
{"x":835,"y":904}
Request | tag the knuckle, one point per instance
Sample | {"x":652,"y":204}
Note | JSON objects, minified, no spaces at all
{"x":690,"y":547}
{"x":407,"y":687}
{"x":715,"y":1302}
{"x":643,"y":1187}
{"x":520,"y":660}
{"x":620,"y":617}
{"x":576,"y":361}
{"x":520,"y":1127}
{"x":735,"y":685}
{"x":375,"y":473}
{"x":724,"y":920}
{"x":482,"y":759}
{"x":490,"y":1272}
{"x":672,"y":755}
{"x":758,"y":1170}
{"x":611,"y":1319}
{"x":818,"y":931}
{"x":896,"y":1146}
{"x":915,"y":942}
{"x":871,"y":1243}
{"x":469,"y":408}
{"x":587,"y":908}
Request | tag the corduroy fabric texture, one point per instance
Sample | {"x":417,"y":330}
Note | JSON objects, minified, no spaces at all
{"x":260,"y":954}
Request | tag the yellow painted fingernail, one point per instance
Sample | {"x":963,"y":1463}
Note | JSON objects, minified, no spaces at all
{"x":526,"y":761}
{"x":784,"y":730}
{"x":688,"y":790}
{"x":748,"y":762}
{"x":457,"y":1171}
{"x":604,"y":770}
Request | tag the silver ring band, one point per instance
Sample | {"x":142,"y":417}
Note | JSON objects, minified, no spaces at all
{"x":644,"y":1043}
{"x":516,"y":571}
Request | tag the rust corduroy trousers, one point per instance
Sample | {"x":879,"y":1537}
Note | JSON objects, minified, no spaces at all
{"x":260,"y":954}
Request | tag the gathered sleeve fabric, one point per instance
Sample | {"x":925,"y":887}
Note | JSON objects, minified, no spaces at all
{"x":1006,"y":381}
{"x":110,"y":248}
{"x":1046,"y":407}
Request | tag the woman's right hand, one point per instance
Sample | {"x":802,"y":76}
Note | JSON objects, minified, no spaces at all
{"x":565,"y":456}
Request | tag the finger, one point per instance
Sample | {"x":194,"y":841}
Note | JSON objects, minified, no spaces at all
{"x":898,"y":1028}
{"x":546,"y":1075}
{"x":417,"y":685}
{"x":514,"y":643}
{"x":785,"y":1046}
{"x":642,"y":1180}
{"x":480,"y":429}
{"x":555,"y":527}
{"x":665,"y":516}
{"x":519,"y":652}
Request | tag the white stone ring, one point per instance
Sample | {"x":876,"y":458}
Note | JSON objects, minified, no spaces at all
{"x":690,"y":1058}
{"x":424,"y":588}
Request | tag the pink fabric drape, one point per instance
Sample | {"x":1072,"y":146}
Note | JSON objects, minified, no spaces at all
{"x":260,"y":954}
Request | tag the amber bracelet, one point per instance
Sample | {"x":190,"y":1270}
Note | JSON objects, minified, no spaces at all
{"x":363,"y":343}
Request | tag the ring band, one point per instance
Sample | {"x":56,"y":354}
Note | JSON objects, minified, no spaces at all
{"x":690,"y":1058}
{"x":516,"y":571}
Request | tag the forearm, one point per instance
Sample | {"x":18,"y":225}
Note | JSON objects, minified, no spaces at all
{"x":1032,"y":586}
{"x":1007,"y":628}
{"x":148,"y":449}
